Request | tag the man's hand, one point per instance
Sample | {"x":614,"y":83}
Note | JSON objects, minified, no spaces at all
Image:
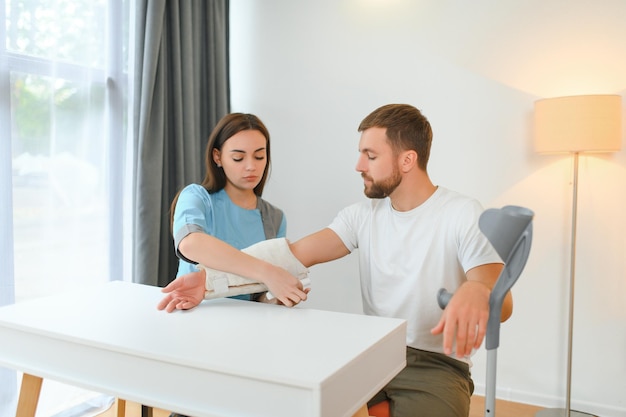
{"x":185,"y":292}
{"x":465,"y":318}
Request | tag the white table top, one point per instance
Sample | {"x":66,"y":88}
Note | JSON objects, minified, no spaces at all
{"x":224,"y":358}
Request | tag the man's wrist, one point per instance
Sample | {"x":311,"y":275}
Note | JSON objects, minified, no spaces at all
{"x":488,"y":287}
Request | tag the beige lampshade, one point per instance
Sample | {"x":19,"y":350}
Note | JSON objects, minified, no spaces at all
{"x":590,"y":123}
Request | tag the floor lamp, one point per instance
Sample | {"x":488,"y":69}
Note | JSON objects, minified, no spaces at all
{"x":590,"y":123}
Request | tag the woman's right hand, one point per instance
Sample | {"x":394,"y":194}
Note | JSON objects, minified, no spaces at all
{"x":184,"y":293}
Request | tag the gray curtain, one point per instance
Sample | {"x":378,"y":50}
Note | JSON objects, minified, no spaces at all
{"x":181,"y":90}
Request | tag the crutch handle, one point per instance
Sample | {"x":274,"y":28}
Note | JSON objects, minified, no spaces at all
{"x":443,"y":298}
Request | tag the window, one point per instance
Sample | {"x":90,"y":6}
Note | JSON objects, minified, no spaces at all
{"x":63,"y":129}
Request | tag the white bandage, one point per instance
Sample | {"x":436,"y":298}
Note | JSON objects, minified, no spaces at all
{"x":275,"y":251}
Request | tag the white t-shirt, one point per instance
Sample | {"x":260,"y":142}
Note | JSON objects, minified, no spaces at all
{"x":406,"y":257}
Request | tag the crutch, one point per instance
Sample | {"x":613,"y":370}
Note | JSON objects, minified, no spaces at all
{"x":509,"y":230}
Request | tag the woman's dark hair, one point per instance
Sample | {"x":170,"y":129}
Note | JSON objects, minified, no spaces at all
{"x":227,"y":127}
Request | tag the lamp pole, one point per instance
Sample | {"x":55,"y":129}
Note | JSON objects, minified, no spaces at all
{"x":568,"y":412}
{"x":572,"y":275}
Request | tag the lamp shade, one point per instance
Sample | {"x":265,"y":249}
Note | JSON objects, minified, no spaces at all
{"x":590,"y":123}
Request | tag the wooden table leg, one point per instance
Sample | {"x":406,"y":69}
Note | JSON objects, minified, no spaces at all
{"x":120,"y":407}
{"x":362,"y":412}
{"x":29,"y":396}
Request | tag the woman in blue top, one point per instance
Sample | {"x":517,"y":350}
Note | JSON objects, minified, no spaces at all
{"x":213,"y":221}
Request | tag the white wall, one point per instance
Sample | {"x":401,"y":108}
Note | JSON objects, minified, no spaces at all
{"x":313,"y":69}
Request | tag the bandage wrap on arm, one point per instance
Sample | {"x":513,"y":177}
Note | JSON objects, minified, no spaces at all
{"x":275,"y":251}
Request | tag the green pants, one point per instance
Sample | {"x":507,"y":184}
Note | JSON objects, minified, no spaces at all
{"x":431,"y":385}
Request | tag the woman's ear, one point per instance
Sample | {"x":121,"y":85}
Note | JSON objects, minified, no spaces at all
{"x":217,"y":157}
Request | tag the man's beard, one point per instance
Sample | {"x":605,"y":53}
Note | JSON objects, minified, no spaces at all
{"x":381,"y":189}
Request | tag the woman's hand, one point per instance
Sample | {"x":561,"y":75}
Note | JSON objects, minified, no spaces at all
{"x":285,"y":288}
{"x":184,"y":293}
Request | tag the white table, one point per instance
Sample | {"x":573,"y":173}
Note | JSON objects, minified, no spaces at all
{"x":224,"y":358}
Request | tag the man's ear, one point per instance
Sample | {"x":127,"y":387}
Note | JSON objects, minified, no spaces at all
{"x":408,"y":160}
